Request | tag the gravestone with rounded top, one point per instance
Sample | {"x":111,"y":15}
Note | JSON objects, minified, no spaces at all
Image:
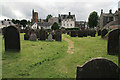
{"x":113,"y":42}
{"x":103,"y":32}
{"x":33,"y":37}
{"x":98,"y":68}
{"x":12,"y":39}
{"x":58,"y":36}
{"x":50,"y":37}
{"x":42,"y":34}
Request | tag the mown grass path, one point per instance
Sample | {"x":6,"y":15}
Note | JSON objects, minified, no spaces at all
{"x":70,"y":45}
{"x":49,"y":59}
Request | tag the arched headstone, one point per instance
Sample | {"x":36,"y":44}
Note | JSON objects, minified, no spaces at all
{"x":103,"y":32}
{"x":42,"y":35}
{"x":98,"y":68}
{"x":113,"y":42}
{"x":58,"y":36}
{"x":99,"y":32}
{"x":12,"y":39}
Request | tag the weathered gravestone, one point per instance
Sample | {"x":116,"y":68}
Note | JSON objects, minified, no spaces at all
{"x":113,"y":42}
{"x":85,"y":33}
{"x":80,"y":33}
{"x":103,"y":32}
{"x":33,"y":37}
{"x":12,"y":39}
{"x":42,"y":35}
{"x":50,"y":37}
{"x":98,"y":68}
{"x":99,"y":32}
{"x":73,"y":33}
{"x":26,"y":36}
{"x":58,"y":36}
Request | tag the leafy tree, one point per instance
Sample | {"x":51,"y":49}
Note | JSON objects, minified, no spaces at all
{"x":93,"y":19}
{"x":14,"y":21}
{"x":48,"y":17}
{"x":17,"y":21}
{"x":55,"y":26}
{"x":23,"y":22}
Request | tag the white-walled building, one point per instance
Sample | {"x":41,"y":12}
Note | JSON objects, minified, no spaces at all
{"x":67,"y":21}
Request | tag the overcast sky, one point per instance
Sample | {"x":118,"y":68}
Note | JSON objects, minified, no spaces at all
{"x":22,"y":9}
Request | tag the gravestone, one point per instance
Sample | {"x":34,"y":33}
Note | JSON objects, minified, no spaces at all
{"x":58,"y":36}
{"x":73,"y":33}
{"x":113,"y":42}
{"x":12,"y":39}
{"x":50,"y":37}
{"x":80,"y":33}
{"x":99,"y":32}
{"x":103,"y":32}
{"x":42,"y":35}
{"x":98,"y":68}
{"x":26,"y":36}
{"x":85,"y":33}
{"x":93,"y":32}
{"x":33,"y":37}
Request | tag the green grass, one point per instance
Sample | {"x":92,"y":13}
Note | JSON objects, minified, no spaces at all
{"x":44,"y":59}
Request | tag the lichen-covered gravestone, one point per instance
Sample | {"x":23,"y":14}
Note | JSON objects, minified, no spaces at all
{"x":12,"y":39}
{"x":113,"y":42}
{"x":50,"y":37}
{"x":103,"y":32}
{"x":58,"y":36}
{"x":33,"y":37}
{"x":98,"y":68}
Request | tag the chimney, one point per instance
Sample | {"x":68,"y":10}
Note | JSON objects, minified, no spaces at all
{"x":101,"y":11}
{"x":69,"y":13}
{"x":110,"y":11}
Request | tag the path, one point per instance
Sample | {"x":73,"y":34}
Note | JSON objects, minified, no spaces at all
{"x":70,"y":45}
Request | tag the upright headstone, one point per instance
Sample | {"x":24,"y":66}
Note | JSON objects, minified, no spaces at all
{"x":12,"y":39}
{"x":58,"y":36}
{"x":98,"y":68}
{"x":103,"y":32}
{"x":99,"y":32}
{"x":80,"y":33}
{"x":42,"y":35}
{"x":50,"y":37}
{"x":73,"y":33}
{"x":33,"y":37}
{"x":113,"y":42}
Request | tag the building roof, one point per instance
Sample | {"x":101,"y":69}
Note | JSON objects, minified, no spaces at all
{"x":44,"y":24}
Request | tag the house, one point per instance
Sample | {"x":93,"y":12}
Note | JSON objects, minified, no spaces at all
{"x":53,"y":20}
{"x":80,"y":23}
{"x":105,"y":18}
{"x":67,"y":21}
{"x":45,"y":25}
{"x":34,"y":26}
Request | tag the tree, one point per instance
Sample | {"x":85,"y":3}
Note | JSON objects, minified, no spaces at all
{"x":93,"y":19}
{"x":23,"y":22}
{"x":55,"y":26}
{"x":14,"y":21}
{"x":48,"y":17}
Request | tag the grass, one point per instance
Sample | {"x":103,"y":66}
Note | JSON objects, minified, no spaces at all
{"x":44,"y":59}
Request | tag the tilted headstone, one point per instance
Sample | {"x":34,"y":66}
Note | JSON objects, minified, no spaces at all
{"x":113,"y":42}
{"x":103,"y":32}
{"x":58,"y":36}
{"x":98,"y":68}
{"x":50,"y":37}
{"x":12,"y":39}
{"x":99,"y":32}
{"x":33,"y":37}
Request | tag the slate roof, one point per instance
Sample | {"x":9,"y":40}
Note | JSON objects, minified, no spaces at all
{"x":44,"y":24}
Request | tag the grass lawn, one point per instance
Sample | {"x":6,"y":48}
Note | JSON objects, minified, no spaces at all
{"x":44,"y":59}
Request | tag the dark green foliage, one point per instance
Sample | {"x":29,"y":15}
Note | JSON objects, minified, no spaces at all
{"x":55,"y":26}
{"x":93,"y":19}
{"x":23,"y":22}
{"x":47,"y":18}
{"x":76,"y":28}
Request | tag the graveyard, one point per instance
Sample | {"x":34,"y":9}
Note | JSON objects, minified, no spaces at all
{"x":51,"y":59}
